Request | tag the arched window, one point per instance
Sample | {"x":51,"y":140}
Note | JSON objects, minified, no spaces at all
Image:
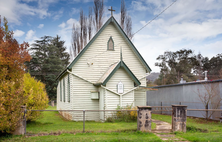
{"x":110,"y":44}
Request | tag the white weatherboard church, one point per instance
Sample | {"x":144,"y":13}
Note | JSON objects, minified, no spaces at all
{"x":108,"y":72}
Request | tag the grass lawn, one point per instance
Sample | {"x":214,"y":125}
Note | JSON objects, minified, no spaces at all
{"x":52,"y":127}
{"x":63,"y":130}
{"x":86,"y":137}
{"x":198,"y":130}
{"x":52,"y":121}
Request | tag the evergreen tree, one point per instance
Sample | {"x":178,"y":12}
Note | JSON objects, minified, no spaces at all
{"x":48,"y":60}
{"x":173,"y":65}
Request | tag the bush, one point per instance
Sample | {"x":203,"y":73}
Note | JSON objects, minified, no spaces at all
{"x":16,"y":89}
{"x":12,"y":58}
{"x":125,"y":116}
{"x":36,"y":96}
{"x":11,"y":98}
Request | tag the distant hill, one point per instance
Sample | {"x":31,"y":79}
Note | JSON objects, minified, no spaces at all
{"x":152,"y":77}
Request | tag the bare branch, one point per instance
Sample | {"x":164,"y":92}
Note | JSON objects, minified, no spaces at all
{"x":98,"y":13}
{"x":101,"y":12}
{"x":81,"y":22}
{"x":85,"y":30}
{"x":210,"y":97}
{"x":75,"y":40}
{"x":128,"y":27}
{"x":90,"y":22}
{"x":123,"y":14}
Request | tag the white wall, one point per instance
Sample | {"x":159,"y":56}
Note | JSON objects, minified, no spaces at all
{"x":101,"y":58}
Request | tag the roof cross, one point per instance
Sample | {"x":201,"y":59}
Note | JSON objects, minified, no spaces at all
{"x":111,"y":10}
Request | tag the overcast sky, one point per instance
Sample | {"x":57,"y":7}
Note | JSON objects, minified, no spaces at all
{"x":187,"y":24}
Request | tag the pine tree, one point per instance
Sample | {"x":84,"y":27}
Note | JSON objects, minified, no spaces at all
{"x":48,"y":60}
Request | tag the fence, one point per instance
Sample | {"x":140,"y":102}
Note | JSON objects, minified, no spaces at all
{"x":85,"y":119}
{"x":194,"y":109}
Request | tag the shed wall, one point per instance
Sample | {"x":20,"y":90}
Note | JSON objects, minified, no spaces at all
{"x":182,"y":94}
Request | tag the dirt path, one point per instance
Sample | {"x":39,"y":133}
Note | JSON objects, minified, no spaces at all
{"x":163,"y":130}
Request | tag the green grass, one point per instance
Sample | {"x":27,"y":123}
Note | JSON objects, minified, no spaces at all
{"x":52,"y":127}
{"x":85,"y":137}
{"x":198,"y":130}
{"x":52,"y":121}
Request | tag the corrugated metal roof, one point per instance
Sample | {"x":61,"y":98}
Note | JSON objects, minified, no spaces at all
{"x":188,"y":83}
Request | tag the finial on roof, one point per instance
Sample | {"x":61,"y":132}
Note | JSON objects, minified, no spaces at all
{"x":121,"y":57}
{"x":111,"y":10}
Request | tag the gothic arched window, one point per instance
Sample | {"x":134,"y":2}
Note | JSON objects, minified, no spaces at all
{"x":110,"y":44}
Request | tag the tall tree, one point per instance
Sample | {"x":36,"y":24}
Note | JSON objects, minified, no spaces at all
{"x":12,"y":58}
{"x":81,"y":22}
{"x":98,"y":13}
{"x":214,"y":66}
{"x":90,"y":22}
{"x":85,"y":34}
{"x":125,"y":20}
{"x":48,"y":60}
{"x":128,"y":29}
{"x":123,"y":14}
{"x":75,"y":40}
{"x":173,"y":65}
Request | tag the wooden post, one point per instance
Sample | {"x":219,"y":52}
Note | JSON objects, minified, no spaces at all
{"x":144,"y":118}
{"x":161,"y":107}
{"x":121,"y":97}
{"x":21,"y":129}
{"x":83,"y":121}
{"x":179,"y":118}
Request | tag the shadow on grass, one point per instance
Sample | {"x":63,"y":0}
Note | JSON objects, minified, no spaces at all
{"x":33,"y":123}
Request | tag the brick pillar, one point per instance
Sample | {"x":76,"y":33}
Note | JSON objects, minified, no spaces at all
{"x":144,"y":118}
{"x":179,"y":118}
{"x":21,"y":129}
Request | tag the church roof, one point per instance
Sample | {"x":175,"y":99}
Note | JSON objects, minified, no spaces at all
{"x":111,"y":71}
{"x":110,"y":20}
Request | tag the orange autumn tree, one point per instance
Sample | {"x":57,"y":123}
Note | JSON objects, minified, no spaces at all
{"x":12,"y":58}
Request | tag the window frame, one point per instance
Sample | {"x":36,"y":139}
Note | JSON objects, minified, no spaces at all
{"x":68,"y":89}
{"x":108,"y":44}
{"x":64,"y":90}
{"x":60,"y":84}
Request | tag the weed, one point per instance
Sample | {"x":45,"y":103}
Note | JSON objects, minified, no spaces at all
{"x":123,"y":116}
{"x":195,"y":129}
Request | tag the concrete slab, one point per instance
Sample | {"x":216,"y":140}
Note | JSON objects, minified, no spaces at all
{"x":163,"y":130}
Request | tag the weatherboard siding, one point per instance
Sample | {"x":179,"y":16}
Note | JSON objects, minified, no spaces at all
{"x":113,"y":100}
{"x":139,"y":98}
{"x":96,"y":59}
{"x":61,"y":105}
{"x":81,"y":99}
{"x":91,"y":66}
